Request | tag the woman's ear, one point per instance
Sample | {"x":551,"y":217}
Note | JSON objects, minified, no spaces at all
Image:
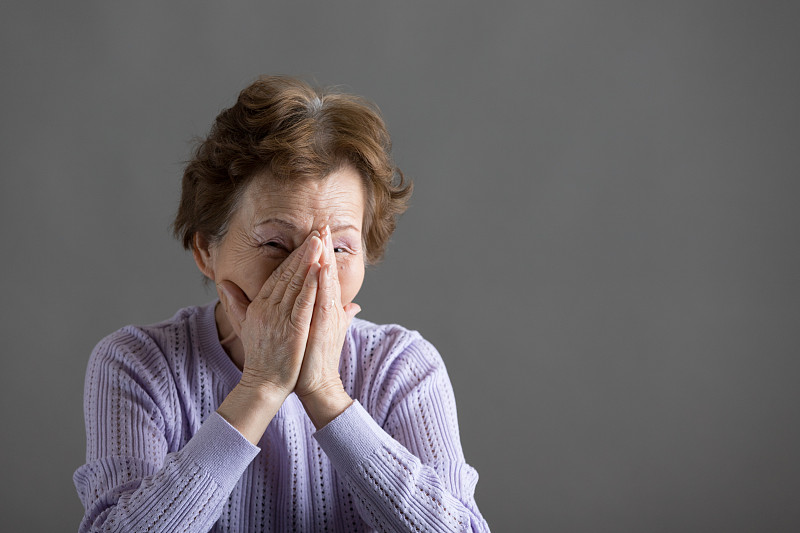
{"x":201,"y":250}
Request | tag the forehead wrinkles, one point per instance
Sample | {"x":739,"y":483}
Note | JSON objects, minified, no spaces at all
{"x":305,"y":205}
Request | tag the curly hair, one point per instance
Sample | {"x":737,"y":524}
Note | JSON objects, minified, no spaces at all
{"x":283,"y":126}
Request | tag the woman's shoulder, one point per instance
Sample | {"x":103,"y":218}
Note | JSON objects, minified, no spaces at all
{"x":383,"y":363}
{"x":387,"y":335}
{"x":382,"y":345}
{"x":148,"y":346}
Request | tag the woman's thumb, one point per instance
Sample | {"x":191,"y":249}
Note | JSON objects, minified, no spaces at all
{"x":351,"y":309}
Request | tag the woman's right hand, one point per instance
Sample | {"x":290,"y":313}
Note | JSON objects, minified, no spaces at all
{"x":274,"y":326}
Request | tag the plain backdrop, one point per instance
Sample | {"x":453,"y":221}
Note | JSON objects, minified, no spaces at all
{"x":603,"y":241}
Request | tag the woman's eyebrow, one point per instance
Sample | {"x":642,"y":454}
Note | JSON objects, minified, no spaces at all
{"x":341,"y":227}
{"x":291,"y":226}
{"x":279,"y":222}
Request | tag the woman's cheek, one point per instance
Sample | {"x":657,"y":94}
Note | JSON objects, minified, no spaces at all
{"x":254,"y":274}
{"x":351,"y":276}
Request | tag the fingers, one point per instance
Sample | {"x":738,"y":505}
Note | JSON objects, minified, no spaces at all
{"x":235,"y":303}
{"x":303,"y":308}
{"x":330,"y":259}
{"x":328,"y":298}
{"x":298,"y":281}
{"x":275,"y":285}
{"x":326,"y":304}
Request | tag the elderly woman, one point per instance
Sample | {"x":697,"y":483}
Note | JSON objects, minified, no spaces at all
{"x":274,"y":409}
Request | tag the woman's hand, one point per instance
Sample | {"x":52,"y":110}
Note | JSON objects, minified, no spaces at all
{"x":292,"y":334}
{"x":319,"y":385}
{"x":274,"y":327}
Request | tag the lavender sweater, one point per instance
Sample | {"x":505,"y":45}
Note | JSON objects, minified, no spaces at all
{"x":159,"y":458}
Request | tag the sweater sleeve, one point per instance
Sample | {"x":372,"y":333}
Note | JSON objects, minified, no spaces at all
{"x":130,"y":482}
{"x":408,"y":474}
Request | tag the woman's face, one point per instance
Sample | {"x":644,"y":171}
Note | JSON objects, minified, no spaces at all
{"x":272,"y":220}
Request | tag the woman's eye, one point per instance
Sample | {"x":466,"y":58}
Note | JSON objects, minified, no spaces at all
{"x":340,"y":250}
{"x":274,"y":245}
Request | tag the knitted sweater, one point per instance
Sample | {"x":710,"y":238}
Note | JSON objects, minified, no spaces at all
{"x":159,"y":458}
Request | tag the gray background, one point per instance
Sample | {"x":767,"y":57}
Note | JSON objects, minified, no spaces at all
{"x":603,"y":243}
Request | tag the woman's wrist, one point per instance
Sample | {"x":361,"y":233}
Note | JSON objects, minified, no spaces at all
{"x":250,"y":408}
{"x":324,"y":405}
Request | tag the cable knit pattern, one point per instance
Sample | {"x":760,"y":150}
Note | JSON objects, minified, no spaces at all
{"x":160,"y":459}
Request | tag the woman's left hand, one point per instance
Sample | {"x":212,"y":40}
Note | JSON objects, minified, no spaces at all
{"x":319,"y":385}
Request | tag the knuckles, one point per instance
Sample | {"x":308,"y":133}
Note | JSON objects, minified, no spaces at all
{"x":295,"y":285}
{"x":286,"y":275}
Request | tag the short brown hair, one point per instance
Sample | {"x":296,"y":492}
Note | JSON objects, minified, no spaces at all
{"x":295,"y":132}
